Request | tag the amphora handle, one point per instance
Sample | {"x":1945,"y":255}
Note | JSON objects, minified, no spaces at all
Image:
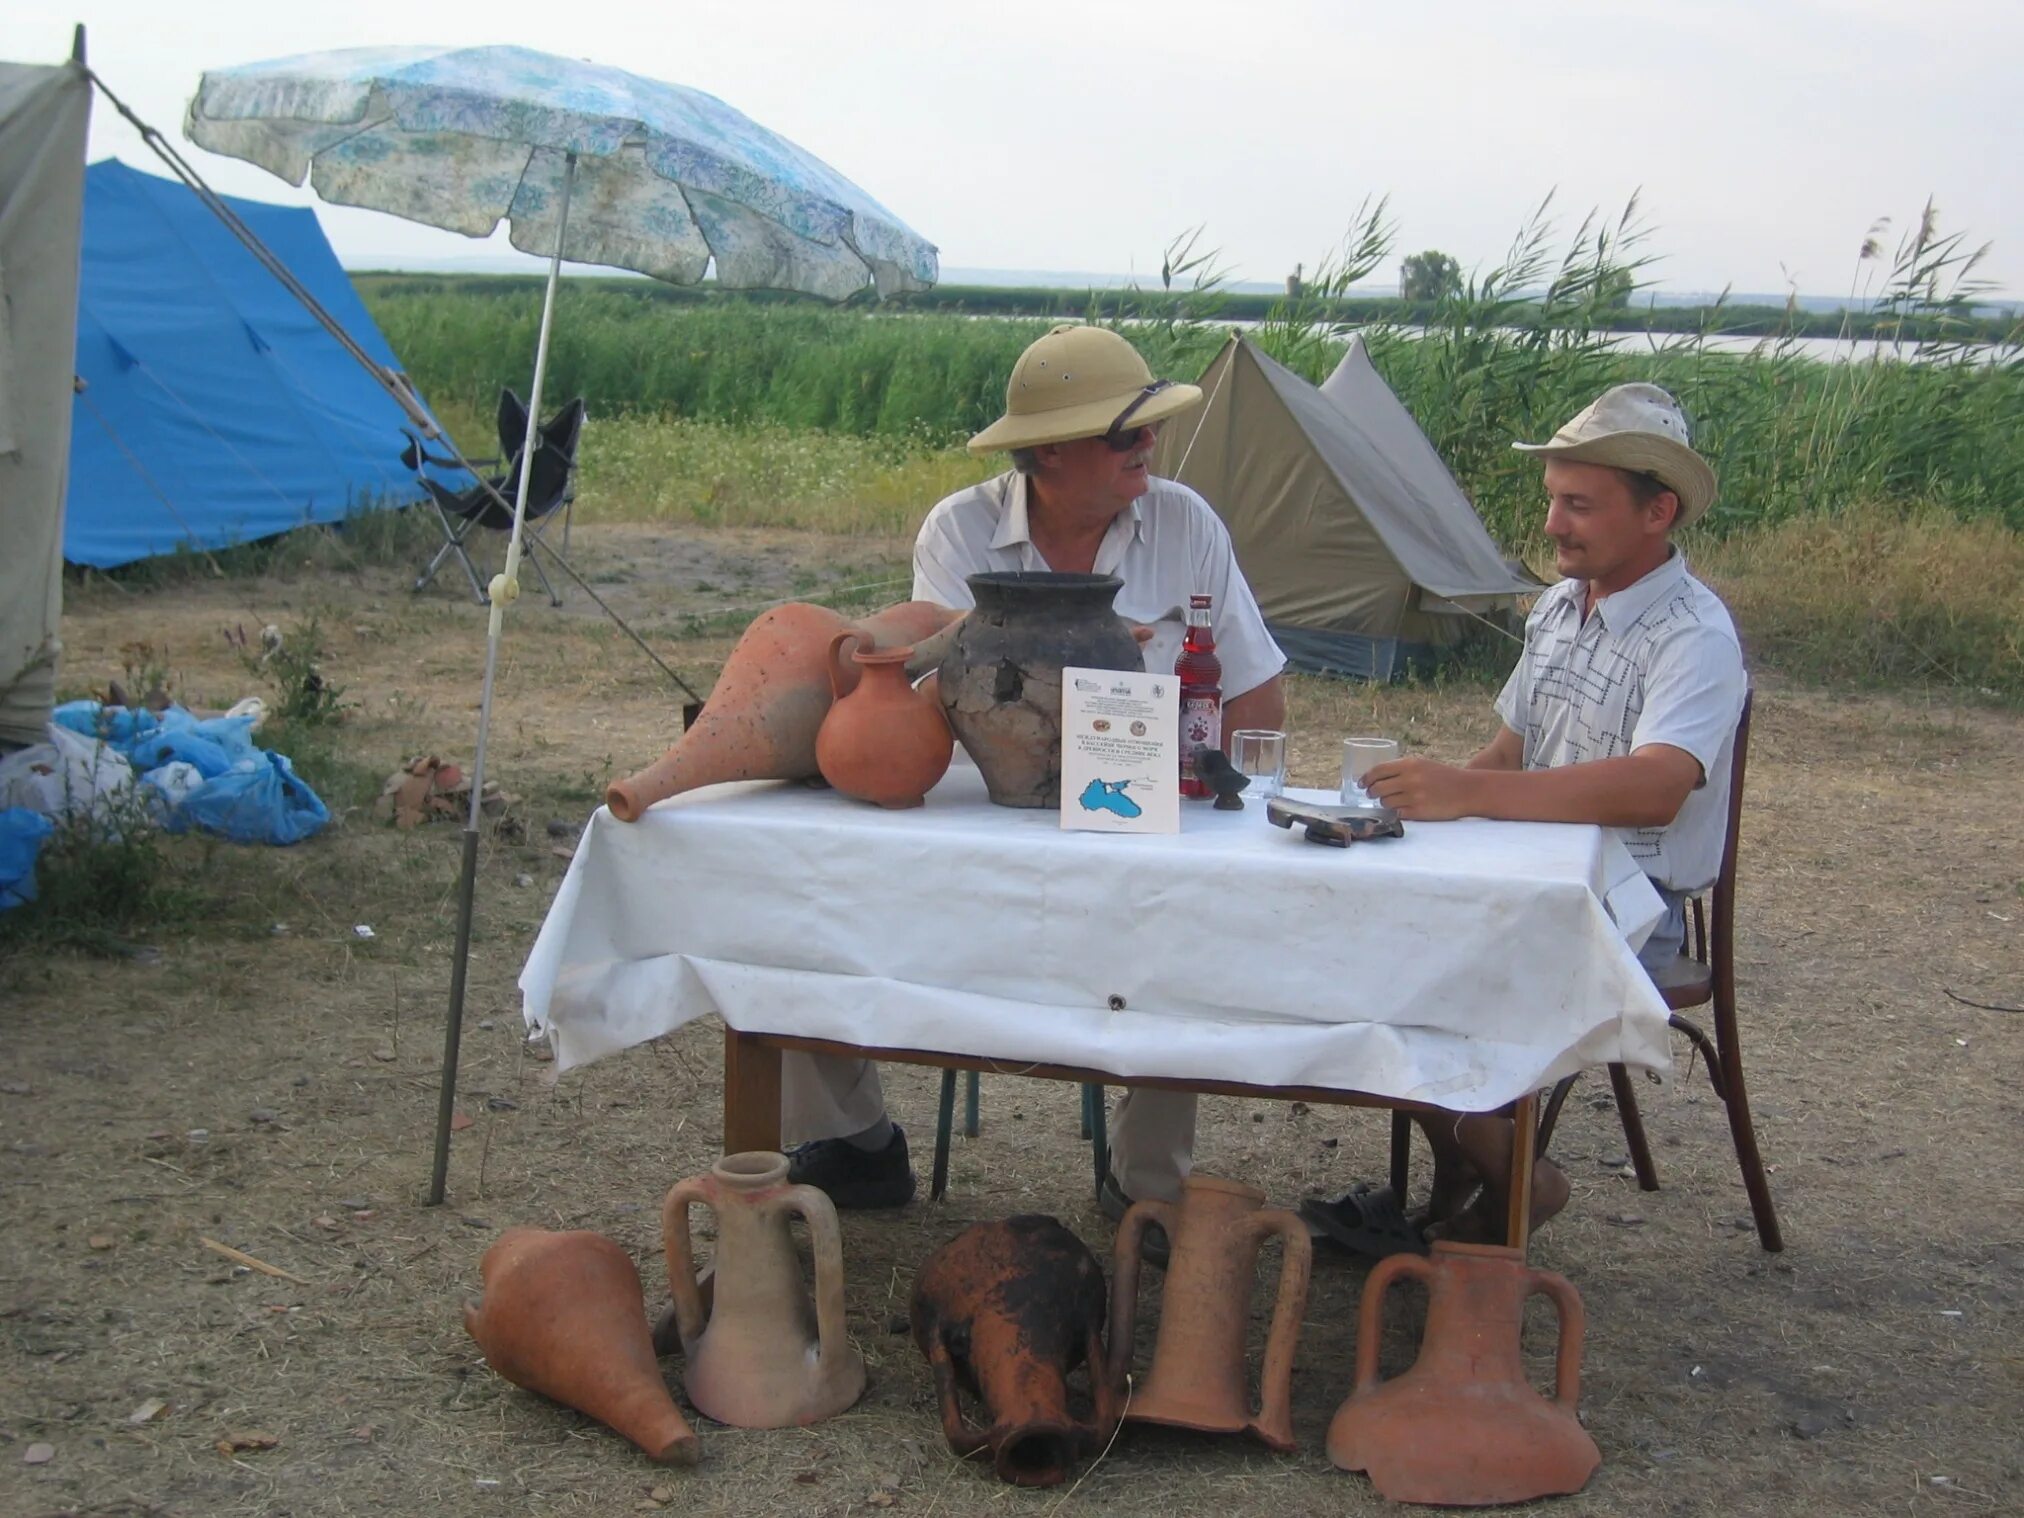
{"x":1275,"y":1389}
{"x":1573,"y":1320}
{"x":1370,"y":1315}
{"x":1125,"y":1278}
{"x":691,"y":1318}
{"x":843,"y":674}
{"x":825,"y":1243}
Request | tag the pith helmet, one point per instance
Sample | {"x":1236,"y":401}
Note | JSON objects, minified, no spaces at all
{"x":1077,"y":382}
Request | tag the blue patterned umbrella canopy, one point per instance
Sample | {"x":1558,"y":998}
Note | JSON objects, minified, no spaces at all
{"x":666,"y":178}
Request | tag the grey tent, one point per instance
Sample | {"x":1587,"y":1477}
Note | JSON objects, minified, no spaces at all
{"x":43,"y":116}
{"x":1361,"y":548}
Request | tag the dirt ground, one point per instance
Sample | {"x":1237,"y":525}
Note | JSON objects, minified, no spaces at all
{"x":268,"y":1081}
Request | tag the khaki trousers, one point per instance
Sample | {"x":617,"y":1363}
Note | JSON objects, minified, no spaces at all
{"x":1152,"y":1133}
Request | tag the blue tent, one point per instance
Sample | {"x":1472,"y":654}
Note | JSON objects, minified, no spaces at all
{"x":214,"y":408}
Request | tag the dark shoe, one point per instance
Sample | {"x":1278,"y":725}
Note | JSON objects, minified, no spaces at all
{"x":1113,"y":1203}
{"x":1366,"y":1221}
{"x":851,"y":1177}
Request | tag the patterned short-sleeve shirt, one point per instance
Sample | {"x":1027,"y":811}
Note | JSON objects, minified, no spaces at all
{"x":1656,"y":662}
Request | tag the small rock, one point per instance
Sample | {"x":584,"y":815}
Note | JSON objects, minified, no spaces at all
{"x":16,"y":1088}
{"x":147,"y":1411}
{"x":364,"y":1215}
{"x":363,"y":930}
{"x":460,"y":1121}
{"x":523,"y":880}
{"x":325,"y":1221}
{"x":897,"y":1324}
{"x":1627,"y":1220}
{"x":38,"y":1454}
{"x":1330,"y":1143}
{"x":502,"y":1104}
{"x":158,"y":1134}
{"x":476,"y":1222}
{"x":1613,"y":1161}
{"x":662,"y":1494}
{"x":624,"y":1208}
{"x":262,"y":1115}
{"x":486,"y":1025}
{"x":354,"y":1203}
{"x":299,"y":1081}
{"x":1257,"y":1117}
{"x":1298,"y":1109}
{"x":1808,"y":1426}
{"x":199,"y":1135}
{"x":557,"y":828}
{"x":100,"y":1241}
{"x":384,"y":1054}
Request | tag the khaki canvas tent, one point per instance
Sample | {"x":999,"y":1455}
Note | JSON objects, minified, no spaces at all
{"x":43,"y":116}
{"x":1361,"y":548}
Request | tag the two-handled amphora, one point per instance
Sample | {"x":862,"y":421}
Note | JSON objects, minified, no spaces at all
{"x":1198,"y":1376}
{"x":762,"y":1355}
{"x":1464,"y":1427}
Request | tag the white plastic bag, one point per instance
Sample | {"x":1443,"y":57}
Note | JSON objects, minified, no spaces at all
{"x":70,"y":773}
{"x":169,"y":785}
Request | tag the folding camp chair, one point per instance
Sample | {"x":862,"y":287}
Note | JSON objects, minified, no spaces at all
{"x":551,"y":489}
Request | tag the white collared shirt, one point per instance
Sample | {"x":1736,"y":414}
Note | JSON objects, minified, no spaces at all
{"x":1656,"y":662}
{"x":1167,"y":545}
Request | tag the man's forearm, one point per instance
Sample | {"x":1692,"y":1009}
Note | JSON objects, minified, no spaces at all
{"x":1621,"y":793}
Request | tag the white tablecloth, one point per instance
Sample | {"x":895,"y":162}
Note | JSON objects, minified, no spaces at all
{"x":1465,"y":964}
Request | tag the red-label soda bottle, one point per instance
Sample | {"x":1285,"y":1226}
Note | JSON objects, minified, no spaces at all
{"x":1201,"y":675}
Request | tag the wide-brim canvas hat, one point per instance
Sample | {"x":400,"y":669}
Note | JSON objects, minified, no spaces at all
{"x":1643,"y":429}
{"x":1077,"y":382}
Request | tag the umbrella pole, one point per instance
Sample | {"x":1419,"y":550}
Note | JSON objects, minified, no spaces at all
{"x":505,"y":589}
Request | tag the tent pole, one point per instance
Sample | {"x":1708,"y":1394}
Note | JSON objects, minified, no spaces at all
{"x":505,"y":589}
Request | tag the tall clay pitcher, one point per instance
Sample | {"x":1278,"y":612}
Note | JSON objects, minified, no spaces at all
{"x":883,"y":741}
{"x":1198,"y":1376}
{"x":1464,"y":1427}
{"x":762,"y":1356}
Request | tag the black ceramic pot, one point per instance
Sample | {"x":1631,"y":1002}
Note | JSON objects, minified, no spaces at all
{"x":1001,"y":678}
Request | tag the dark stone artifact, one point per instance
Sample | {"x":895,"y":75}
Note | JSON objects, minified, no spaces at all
{"x":1001,"y":677}
{"x":1463,"y":1427}
{"x":1005,"y":1311}
{"x":1198,"y":1376}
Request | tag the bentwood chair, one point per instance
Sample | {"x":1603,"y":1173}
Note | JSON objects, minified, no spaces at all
{"x":1705,"y":976}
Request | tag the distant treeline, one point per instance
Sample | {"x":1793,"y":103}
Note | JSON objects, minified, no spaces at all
{"x":1043,"y":303}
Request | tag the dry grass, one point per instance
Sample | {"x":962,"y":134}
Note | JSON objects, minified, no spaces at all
{"x":1878,"y":1353}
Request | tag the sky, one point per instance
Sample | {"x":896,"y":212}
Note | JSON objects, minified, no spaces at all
{"x":1763,"y":137}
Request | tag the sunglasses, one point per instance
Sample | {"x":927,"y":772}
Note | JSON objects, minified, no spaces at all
{"x":1122,"y":438}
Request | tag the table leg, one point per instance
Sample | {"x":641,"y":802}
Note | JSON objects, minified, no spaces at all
{"x":1524,"y":1135}
{"x":751,"y":1094}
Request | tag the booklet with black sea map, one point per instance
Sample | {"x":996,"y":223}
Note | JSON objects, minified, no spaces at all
{"x":1120,"y":751}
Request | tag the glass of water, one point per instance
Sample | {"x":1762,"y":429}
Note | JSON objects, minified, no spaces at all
{"x":1359,"y":757}
{"x":1259,"y":753}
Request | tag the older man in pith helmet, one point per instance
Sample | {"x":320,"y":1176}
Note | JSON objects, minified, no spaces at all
{"x":1081,"y":414}
{"x":1622,"y":711}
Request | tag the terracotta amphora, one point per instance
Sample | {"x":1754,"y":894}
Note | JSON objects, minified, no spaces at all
{"x":563,"y":1315}
{"x":883,"y":741}
{"x":1197,"y":1379}
{"x":767,"y":706}
{"x":1463,"y":1427}
{"x":1005,"y":1311}
{"x":761,"y":1355}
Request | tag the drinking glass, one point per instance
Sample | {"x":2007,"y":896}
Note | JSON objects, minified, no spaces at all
{"x":1260,"y":754}
{"x":1359,"y":757}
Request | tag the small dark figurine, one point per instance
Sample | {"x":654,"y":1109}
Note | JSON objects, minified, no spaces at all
{"x":1224,"y":778}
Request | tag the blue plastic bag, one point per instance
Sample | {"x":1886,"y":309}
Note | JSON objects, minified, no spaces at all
{"x":214,"y":745}
{"x":21,"y":836}
{"x":117,"y":726}
{"x":260,"y":800}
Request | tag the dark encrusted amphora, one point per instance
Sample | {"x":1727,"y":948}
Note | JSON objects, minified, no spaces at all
{"x":1005,"y":1311}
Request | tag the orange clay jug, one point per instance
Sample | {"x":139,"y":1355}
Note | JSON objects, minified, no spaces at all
{"x":562,"y":1315}
{"x":761,"y":1355}
{"x":883,"y":741}
{"x":1198,"y":1377}
{"x":1463,"y":1427}
{"x":767,"y":706}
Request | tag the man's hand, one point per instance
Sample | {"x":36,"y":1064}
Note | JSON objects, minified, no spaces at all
{"x":1420,"y":790}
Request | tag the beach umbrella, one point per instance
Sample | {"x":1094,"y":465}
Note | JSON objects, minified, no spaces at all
{"x":587,"y":163}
